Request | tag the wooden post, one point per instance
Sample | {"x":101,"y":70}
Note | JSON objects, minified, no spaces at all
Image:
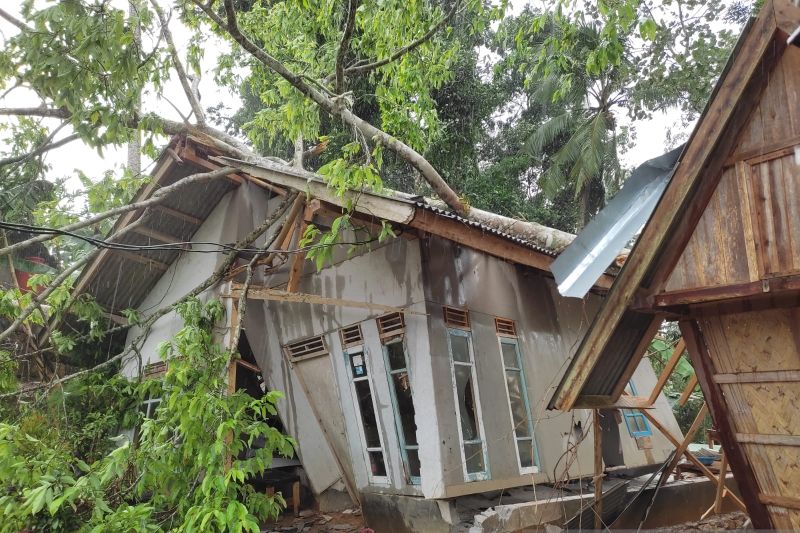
{"x":598,"y":471}
{"x":687,"y":391}
{"x":668,"y":369}
{"x":745,"y":477}
{"x":701,"y":415}
{"x":721,"y":490}
{"x":703,"y":468}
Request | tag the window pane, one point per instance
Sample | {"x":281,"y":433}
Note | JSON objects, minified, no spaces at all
{"x":405,"y":407}
{"x":364,"y":397}
{"x":466,"y":402}
{"x":509,"y":355}
{"x":413,"y":462}
{"x":377,"y":466}
{"x":396,"y":356}
{"x":525,"y":452}
{"x":358,"y":364}
{"x":519,"y":412}
{"x":473,"y":454}
{"x":460,"y":346}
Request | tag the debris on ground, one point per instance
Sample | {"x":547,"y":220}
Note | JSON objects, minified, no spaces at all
{"x":728,"y":521}
{"x":310,"y":521}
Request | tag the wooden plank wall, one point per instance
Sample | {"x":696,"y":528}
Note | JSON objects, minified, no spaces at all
{"x":751,"y":227}
{"x":755,"y":358}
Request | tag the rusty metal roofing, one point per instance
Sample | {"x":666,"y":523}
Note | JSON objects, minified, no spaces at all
{"x":483,"y":227}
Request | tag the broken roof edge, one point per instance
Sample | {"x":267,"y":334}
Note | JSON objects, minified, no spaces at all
{"x":757,"y":34}
{"x":385,"y":204}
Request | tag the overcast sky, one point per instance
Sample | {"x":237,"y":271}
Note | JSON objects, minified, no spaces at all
{"x":650,"y":141}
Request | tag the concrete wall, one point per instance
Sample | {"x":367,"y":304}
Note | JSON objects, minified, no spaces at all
{"x":550,"y":328}
{"x":391,"y":275}
{"x":236,"y":214}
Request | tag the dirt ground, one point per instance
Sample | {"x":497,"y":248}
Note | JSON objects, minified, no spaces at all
{"x":728,"y":521}
{"x":348,"y":521}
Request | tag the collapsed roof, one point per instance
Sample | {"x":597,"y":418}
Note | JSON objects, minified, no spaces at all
{"x":120,"y":279}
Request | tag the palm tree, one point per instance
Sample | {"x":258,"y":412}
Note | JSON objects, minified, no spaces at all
{"x":576,"y":145}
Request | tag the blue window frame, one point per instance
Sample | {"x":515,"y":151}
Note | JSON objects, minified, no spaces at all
{"x":519,"y":405}
{"x":394,"y":352}
{"x":462,"y":366}
{"x":635,"y":421}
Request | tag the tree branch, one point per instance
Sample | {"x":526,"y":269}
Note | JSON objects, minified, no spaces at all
{"x":337,"y":108}
{"x":37,"y":300}
{"x":41,"y":111}
{"x":176,"y":60}
{"x":13,"y":20}
{"x":362,"y":67}
{"x":215,"y":277}
{"x":158,"y":197}
{"x":46,"y":146}
{"x":349,"y":25}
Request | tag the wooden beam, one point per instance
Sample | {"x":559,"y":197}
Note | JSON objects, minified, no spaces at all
{"x":266,"y":293}
{"x":774,"y":149}
{"x":480,"y":240}
{"x":694,"y":460}
{"x":143,"y":260}
{"x":247,"y":365}
{"x":688,"y":390}
{"x":740,"y":466}
{"x":607,"y":402}
{"x":598,"y":471}
{"x":769,"y":440}
{"x":721,"y":490}
{"x":780,"y":501}
{"x":174,"y":213}
{"x":189,"y":154}
{"x":298,"y":258}
{"x":769,"y":376}
{"x":677,"y":353}
{"x":682,"y":449}
{"x":772,"y":285}
{"x":155,"y":235}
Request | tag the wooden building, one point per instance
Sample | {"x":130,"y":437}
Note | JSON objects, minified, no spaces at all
{"x":721,"y":254}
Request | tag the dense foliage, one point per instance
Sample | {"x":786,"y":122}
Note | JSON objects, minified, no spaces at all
{"x":66,"y":464}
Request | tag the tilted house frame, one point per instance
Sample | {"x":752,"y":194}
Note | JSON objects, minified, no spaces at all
{"x":721,"y":254}
{"x":414,"y":368}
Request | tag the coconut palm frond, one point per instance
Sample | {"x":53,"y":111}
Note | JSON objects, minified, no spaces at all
{"x":593,"y":155}
{"x":548,"y":132}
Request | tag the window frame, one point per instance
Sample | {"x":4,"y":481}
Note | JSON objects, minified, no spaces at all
{"x":486,"y":473}
{"x":371,"y":478}
{"x":631,"y":414}
{"x":401,"y":438}
{"x":514,"y":341}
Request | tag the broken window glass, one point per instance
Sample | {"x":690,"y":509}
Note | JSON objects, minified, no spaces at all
{"x":466,"y":398}
{"x":403,"y":406}
{"x":370,"y":428}
{"x":518,"y":403}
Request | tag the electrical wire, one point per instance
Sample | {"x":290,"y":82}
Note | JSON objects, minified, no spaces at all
{"x":181,"y":246}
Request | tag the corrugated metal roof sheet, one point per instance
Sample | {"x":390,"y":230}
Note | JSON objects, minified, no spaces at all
{"x":483,"y":227}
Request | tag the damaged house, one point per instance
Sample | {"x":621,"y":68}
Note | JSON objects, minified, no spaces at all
{"x":415,"y":370}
